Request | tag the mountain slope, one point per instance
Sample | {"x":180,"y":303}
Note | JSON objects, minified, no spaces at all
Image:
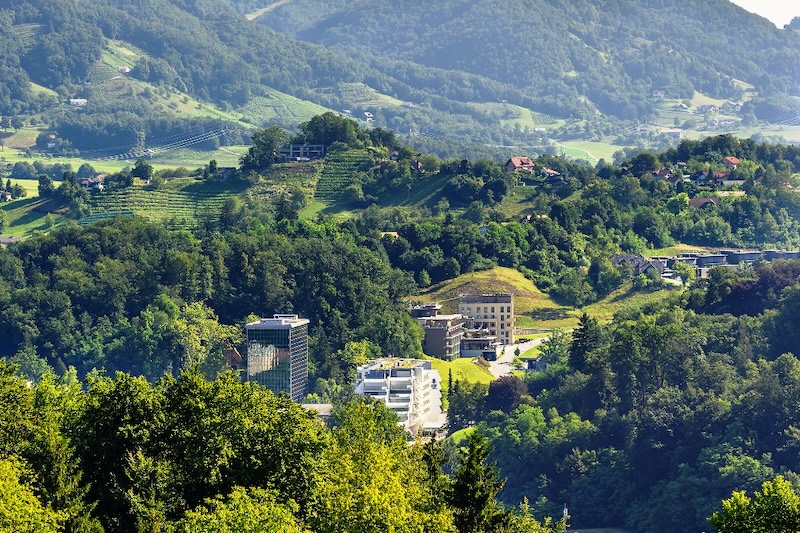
{"x":612,"y":52}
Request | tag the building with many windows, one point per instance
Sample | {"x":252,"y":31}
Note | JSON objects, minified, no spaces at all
{"x":277,"y":354}
{"x":443,"y":335}
{"x":408,"y":387}
{"x":491,"y":313}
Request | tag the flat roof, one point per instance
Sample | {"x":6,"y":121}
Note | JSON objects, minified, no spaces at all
{"x":394,"y":362}
{"x":278,"y":322}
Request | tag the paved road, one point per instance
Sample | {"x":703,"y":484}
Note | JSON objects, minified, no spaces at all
{"x":502,"y":367}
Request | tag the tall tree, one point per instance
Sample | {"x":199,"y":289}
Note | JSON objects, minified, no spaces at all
{"x":585,"y":338}
{"x":264,"y":151}
{"x":476,"y":484}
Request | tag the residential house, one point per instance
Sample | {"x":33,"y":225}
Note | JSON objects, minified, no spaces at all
{"x":731,"y":162}
{"x":519,"y":164}
{"x":92,"y":184}
{"x":702,"y":202}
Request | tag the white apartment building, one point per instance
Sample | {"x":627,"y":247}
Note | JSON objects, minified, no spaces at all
{"x":491,"y":312}
{"x":408,"y":387}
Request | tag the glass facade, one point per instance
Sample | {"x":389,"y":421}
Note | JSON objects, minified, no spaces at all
{"x":277,"y":355}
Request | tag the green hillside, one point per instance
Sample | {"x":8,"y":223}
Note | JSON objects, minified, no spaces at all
{"x":456,"y":77}
{"x":533,"y":308}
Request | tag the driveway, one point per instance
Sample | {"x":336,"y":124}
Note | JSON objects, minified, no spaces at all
{"x":503,"y":365}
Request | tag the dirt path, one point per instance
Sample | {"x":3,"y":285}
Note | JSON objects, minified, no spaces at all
{"x":255,"y":14}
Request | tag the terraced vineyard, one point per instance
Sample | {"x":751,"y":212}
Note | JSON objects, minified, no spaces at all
{"x":543,"y":118}
{"x":102,"y":72}
{"x":27,"y":32}
{"x":338,"y":172}
{"x":184,"y":208}
{"x":281,"y":107}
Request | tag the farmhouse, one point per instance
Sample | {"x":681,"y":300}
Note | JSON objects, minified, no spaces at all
{"x":519,"y":164}
{"x":676,"y":133}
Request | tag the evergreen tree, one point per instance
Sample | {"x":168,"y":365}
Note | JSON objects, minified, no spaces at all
{"x":585,"y":338}
{"x":476,"y":483}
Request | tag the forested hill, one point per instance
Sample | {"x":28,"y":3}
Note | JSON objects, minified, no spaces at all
{"x":573,"y":56}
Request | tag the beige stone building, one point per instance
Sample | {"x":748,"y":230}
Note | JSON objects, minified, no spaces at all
{"x":491,"y":312}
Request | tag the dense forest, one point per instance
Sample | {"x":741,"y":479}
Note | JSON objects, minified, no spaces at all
{"x":612,"y":53}
{"x":187,"y":454}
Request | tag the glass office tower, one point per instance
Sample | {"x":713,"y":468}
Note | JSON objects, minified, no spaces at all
{"x":277,"y":354}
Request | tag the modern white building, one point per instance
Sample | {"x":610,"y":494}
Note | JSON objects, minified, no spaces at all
{"x":408,"y":387}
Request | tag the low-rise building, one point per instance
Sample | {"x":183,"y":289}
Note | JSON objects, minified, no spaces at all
{"x":477,"y":343}
{"x":425,"y":310}
{"x":410,"y":388}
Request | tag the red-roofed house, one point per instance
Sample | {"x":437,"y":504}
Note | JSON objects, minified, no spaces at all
{"x":731,"y":162}
{"x":519,"y":164}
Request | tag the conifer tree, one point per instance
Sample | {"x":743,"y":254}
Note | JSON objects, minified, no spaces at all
{"x":476,"y":484}
{"x":585,"y":339}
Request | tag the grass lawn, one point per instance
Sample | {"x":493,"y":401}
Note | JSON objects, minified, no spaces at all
{"x":702,"y":99}
{"x":463,"y":369}
{"x":28,"y":216}
{"x":312,"y":209}
{"x":591,"y":150}
{"x":533,"y":353}
{"x":459,"y":437}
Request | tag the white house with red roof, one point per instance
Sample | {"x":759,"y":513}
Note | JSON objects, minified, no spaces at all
{"x":519,"y":164}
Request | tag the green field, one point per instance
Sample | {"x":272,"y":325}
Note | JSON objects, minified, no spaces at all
{"x":28,"y":216}
{"x":364,"y":95}
{"x":592,"y":151}
{"x":182,"y":157}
